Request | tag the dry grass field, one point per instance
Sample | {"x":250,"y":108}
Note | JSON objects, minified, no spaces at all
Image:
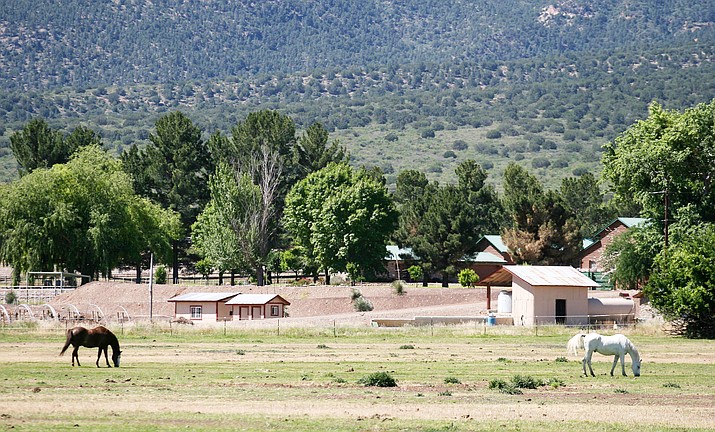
{"x":307,"y":378}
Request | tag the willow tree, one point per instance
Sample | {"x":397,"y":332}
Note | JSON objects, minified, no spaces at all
{"x":82,"y":216}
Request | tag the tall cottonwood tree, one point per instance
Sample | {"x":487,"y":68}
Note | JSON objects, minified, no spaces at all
{"x":341,"y":218}
{"x":173,"y":171}
{"x":258,"y":159}
{"x":668,"y":158}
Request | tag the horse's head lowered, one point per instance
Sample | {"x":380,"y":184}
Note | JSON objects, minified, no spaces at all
{"x":636,"y":366}
{"x":116,"y":356}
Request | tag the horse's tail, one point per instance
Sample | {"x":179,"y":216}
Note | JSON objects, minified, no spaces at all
{"x":67,"y":343}
{"x":575,"y":343}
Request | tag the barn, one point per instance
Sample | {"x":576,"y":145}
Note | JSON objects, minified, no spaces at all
{"x":205,"y":307}
{"x":545,"y":294}
{"x":257,"y":306}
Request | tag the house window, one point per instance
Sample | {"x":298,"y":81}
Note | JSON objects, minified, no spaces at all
{"x":195,"y":312}
{"x":275,"y":310}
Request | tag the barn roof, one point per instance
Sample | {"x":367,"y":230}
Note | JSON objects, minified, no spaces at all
{"x":495,"y":241}
{"x":257,"y":299}
{"x":484,"y":258}
{"x":541,"y":276}
{"x":204,"y":297}
{"x":395,"y":253}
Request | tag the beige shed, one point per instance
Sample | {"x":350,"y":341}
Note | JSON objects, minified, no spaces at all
{"x":546,"y":294}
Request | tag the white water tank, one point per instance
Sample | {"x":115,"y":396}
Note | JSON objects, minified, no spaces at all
{"x":611,"y":309}
{"x":504,"y":302}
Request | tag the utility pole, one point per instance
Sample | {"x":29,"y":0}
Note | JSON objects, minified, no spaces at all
{"x":151,"y":288}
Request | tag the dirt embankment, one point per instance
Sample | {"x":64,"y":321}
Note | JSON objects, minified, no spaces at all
{"x":326,"y":302}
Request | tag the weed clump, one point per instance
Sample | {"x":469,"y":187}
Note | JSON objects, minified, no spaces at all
{"x":399,"y":287}
{"x":519,"y":382}
{"x":378,"y":379}
{"x":452,"y":380}
{"x":526,"y":382}
{"x":407,"y":347}
{"x":504,"y":387}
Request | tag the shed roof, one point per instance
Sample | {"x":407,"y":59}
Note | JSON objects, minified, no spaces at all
{"x":257,"y":299}
{"x":542,"y":276}
{"x":204,"y":297}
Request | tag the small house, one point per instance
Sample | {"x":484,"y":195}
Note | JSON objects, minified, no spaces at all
{"x":545,"y":294}
{"x":593,"y":248}
{"x":257,"y":306}
{"x":397,"y":261}
{"x":207,"y":307}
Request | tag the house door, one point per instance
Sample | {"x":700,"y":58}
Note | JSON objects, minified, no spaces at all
{"x":243,"y":313}
{"x":560,"y":311}
{"x":256,"y":312}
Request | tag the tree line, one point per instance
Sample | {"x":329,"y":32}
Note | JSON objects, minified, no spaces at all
{"x":264,"y":198}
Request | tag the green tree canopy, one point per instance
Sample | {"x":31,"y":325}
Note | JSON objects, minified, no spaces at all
{"x":542,"y":230}
{"x":682,"y":286}
{"x":339,"y":215}
{"x":583,"y":198}
{"x":80,"y":216}
{"x":442,"y":224}
{"x":669,"y":155}
{"x":173,"y":171}
{"x":628,"y":258}
{"x":313,"y":151}
{"x":38,"y":146}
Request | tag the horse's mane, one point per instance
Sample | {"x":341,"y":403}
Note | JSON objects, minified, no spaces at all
{"x":635,"y":355}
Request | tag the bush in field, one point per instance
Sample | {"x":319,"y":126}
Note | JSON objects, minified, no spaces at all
{"x":452,"y":380}
{"x":526,"y":381}
{"x":504,"y":387}
{"x":378,"y":379}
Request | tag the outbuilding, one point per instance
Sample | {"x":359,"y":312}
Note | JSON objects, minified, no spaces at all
{"x":257,"y":306}
{"x":545,"y":294}
{"x":206,"y":307}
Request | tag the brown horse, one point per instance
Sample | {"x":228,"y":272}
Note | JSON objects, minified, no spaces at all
{"x":99,"y":337}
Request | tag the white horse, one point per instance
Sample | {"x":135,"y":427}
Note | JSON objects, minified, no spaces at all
{"x":616,"y":345}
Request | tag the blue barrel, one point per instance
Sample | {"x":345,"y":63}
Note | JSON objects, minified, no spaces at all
{"x":491,"y":320}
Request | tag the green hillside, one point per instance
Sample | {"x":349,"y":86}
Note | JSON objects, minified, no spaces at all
{"x":420,"y":84}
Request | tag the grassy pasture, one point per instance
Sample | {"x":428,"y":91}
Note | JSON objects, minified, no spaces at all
{"x":306,"y":380}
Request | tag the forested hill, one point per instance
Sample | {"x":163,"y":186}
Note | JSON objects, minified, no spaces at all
{"x":402,"y":84}
{"x":47,"y":43}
